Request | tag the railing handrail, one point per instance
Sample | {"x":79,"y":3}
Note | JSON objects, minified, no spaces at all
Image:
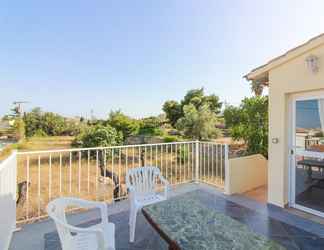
{"x":114,"y":147}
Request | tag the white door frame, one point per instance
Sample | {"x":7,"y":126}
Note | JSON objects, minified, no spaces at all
{"x":292,"y":149}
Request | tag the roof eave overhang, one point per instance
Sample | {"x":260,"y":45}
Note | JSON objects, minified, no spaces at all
{"x":262,"y":72}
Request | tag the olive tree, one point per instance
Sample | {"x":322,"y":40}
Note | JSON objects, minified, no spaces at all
{"x":198,"y":123}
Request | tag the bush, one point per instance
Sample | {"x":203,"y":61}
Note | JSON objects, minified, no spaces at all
{"x":170,"y":138}
{"x":151,"y":126}
{"x":121,"y":122}
{"x":48,"y":123}
{"x":98,"y":136}
{"x":249,"y":122}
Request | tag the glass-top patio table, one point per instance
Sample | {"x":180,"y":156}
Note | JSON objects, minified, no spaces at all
{"x":187,"y":223}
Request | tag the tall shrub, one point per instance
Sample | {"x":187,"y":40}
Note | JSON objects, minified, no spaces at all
{"x":249,"y":122}
{"x":98,"y":136}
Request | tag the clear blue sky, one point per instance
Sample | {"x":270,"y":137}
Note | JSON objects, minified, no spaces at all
{"x":73,"y":56}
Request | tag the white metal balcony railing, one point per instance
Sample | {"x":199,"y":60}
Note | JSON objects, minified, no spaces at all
{"x":99,"y":173}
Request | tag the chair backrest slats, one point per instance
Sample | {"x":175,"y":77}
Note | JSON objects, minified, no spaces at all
{"x":143,"y":179}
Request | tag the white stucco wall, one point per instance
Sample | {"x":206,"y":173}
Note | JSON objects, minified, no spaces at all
{"x":285,"y":80}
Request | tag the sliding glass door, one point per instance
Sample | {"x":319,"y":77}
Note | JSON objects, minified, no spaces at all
{"x":307,"y":168}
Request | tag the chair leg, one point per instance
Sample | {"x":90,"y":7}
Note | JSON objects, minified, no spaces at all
{"x":132,"y":224}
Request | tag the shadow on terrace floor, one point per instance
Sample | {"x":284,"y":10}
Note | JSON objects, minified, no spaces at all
{"x":275,"y":223}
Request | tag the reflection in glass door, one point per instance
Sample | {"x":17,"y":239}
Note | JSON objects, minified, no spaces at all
{"x":308,"y":172}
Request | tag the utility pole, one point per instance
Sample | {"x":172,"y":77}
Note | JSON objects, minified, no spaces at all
{"x":18,"y":109}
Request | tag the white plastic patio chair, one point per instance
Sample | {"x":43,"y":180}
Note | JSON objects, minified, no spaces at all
{"x":98,"y":237}
{"x":141,"y":184}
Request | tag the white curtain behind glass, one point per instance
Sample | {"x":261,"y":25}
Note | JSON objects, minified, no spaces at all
{"x":321,"y":112}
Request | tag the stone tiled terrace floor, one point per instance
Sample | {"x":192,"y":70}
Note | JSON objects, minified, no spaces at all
{"x":288,"y":229}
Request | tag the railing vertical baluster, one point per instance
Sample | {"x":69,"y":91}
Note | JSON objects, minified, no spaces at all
{"x":119,"y":173}
{"x":112,"y":173}
{"x":39,"y":183}
{"x":97,"y":166}
{"x":179,"y":158}
{"x":192,"y":162}
{"x":188,"y":160}
{"x":27,"y":191}
{"x":156,"y":155}
{"x":139,"y":156}
{"x":200,"y":162}
{"x":79,"y":179}
{"x":183,"y":162}
{"x":197,"y":167}
{"x":50,"y":178}
{"x":217,"y":163}
{"x":176,"y":164}
{"x":88,"y":171}
{"x":208,"y":162}
{"x":226,"y":169}
{"x":221,"y":163}
{"x":133,"y":157}
{"x":145,"y":156}
{"x":171,"y":165}
{"x":70,"y":172}
{"x":126,"y":160}
{"x":212,"y":162}
{"x":166,"y":161}
{"x":151,"y":156}
{"x":104,"y":158}
{"x":161,"y":158}
{"x":204,"y":159}
{"x":60,"y":167}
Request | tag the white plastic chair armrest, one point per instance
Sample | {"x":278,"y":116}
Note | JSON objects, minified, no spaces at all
{"x":97,"y":231}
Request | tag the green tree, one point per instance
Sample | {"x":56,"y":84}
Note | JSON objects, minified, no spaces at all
{"x":198,"y":123}
{"x":38,"y":122}
{"x":98,"y":136}
{"x":33,"y":121}
{"x":173,"y":111}
{"x":151,"y":126}
{"x":196,"y":97}
{"x":123,"y":123}
{"x":232,"y":116}
{"x":52,"y":124}
{"x":249,"y":122}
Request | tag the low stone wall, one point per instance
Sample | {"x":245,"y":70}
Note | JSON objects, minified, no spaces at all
{"x":246,"y":173}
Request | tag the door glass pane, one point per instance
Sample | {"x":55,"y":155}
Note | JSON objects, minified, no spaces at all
{"x":309,"y":140}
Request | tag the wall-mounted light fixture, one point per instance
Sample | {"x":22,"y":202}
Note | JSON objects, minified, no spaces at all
{"x":312,"y":63}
